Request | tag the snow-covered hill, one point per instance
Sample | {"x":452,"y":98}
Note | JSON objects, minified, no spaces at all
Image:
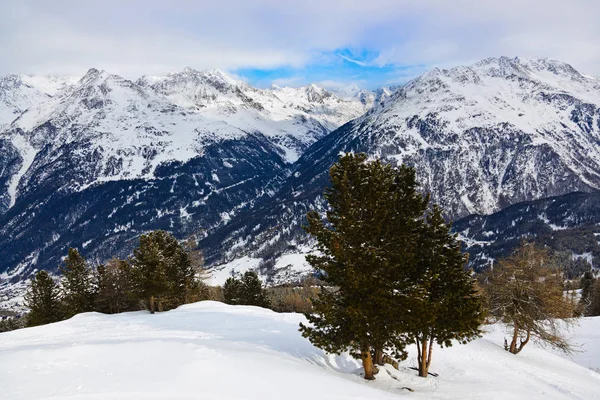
{"x":210,"y":350}
{"x":92,"y":163}
{"x":481,"y":137}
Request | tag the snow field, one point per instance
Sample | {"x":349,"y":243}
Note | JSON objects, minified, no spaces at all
{"x":210,"y":350}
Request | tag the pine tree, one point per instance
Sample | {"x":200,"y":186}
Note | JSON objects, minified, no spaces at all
{"x":587,"y":284}
{"x":526,"y":293}
{"x":43,"y":300}
{"x":165,"y":273}
{"x":449,"y":306}
{"x":252,"y":291}
{"x":594,"y":300}
{"x":149,"y":272}
{"x":232,"y":291}
{"x":246,"y":291}
{"x":115,"y":288}
{"x":77,"y":284}
{"x":368,"y":249}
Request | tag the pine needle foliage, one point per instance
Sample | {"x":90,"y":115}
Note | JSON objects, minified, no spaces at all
{"x":248,"y":290}
{"x":43,"y":300}
{"x":165,"y":273}
{"x":367,"y":259}
{"x":450,"y":307}
{"x":77,"y":284}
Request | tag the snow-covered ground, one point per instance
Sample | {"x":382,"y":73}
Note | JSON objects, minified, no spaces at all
{"x":209,"y":350}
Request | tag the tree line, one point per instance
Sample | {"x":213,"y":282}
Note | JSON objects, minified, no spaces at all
{"x":161,"y":274}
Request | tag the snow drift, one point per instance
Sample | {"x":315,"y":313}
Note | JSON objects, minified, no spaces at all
{"x":209,"y":350}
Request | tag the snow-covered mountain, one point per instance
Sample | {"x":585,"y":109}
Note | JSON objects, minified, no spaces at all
{"x":481,"y":138}
{"x":93,"y":163}
{"x":569,"y":224}
{"x":20,"y":92}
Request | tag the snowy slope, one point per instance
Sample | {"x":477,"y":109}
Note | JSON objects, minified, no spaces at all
{"x":210,"y":350}
{"x":20,"y":92}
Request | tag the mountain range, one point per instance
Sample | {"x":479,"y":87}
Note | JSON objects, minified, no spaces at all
{"x":94,"y":162}
{"x":481,"y":138}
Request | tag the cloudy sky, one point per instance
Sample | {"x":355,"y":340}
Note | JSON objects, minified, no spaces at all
{"x":334,"y":42}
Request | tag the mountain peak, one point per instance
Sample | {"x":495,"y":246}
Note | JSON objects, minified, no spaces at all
{"x":93,"y":75}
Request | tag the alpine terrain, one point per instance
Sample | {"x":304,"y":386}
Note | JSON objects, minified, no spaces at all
{"x":93,"y":162}
{"x":482,"y":137}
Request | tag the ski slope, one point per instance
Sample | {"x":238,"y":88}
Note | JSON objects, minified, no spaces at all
{"x":209,"y":350}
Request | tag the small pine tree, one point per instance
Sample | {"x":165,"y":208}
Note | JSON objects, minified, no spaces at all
{"x":182,"y":269}
{"x":252,"y":291}
{"x":449,"y":306}
{"x":246,"y":291}
{"x":587,"y":284}
{"x":43,"y":300}
{"x":594,"y":300}
{"x":115,"y":288}
{"x":77,"y":285}
{"x":526,"y":293}
{"x":149,"y":272}
{"x":231,"y":291}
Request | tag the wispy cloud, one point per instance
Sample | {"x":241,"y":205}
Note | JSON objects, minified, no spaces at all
{"x":340,"y":40}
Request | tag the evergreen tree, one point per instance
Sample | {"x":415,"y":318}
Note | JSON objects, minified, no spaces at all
{"x":43,"y":300}
{"x":594,"y":300}
{"x":77,"y":284}
{"x":115,"y":288}
{"x":252,"y":292}
{"x":182,"y":269}
{"x":526,"y":293}
{"x":246,"y":291}
{"x":368,"y":249}
{"x":449,"y":306}
{"x":232,"y":290}
{"x":587,"y":284}
{"x":149,"y":273}
{"x":165,"y":273}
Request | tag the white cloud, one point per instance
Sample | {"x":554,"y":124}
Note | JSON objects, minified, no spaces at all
{"x":155,"y":36}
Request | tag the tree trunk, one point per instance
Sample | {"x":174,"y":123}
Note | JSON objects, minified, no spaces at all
{"x":378,"y":356}
{"x":151,"y":304}
{"x":513,"y":343}
{"x":423,"y":364}
{"x":524,"y":342}
{"x":430,"y":351}
{"x":367,"y":363}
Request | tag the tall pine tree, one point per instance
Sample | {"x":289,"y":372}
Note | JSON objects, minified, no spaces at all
{"x":367,"y":261}
{"x":165,"y":273}
{"x":77,"y":284}
{"x":43,"y":300}
{"x":149,"y":273}
{"x":449,"y":307}
{"x":115,"y":287}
